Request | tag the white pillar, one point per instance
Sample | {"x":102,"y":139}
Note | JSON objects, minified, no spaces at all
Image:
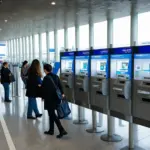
{"x":48,"y":46}
{"x":56,"y":45}
{"x":40,"y":48}
{"x":133,"y":42}
{"x":30,"y":48}
{"x":33,"y":46}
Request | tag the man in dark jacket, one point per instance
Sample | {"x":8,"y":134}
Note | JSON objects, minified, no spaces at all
{"x":5,"y":80}
{"x":51,"y":99}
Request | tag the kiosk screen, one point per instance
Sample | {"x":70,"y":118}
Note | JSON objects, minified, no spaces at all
{"x":141,"y":66}
{"x":121,"y":66}
{"x":82,"y":65}
{"x":99,"y":66}
{"x":67,"y":64}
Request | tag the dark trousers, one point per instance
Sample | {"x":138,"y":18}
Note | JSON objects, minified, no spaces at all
{"x":54,"y":118}
{"x":6,"y":90}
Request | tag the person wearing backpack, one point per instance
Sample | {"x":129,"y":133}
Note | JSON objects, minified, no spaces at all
{"x":51,"y":100}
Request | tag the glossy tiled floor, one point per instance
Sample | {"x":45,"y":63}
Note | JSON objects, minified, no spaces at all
{"x":28,"y":135}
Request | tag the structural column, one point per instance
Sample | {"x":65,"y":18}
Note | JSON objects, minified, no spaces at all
{"x":110,"y":136}
{"x":14,"y":51}
{"x":81,"y":111}
{"x":40,"y":48}
{"x":94,"y":128}
{"x":30,"y":49}
{"x":33,"y":46}
{"x":19,"y":49}
{"x":48,"y":46}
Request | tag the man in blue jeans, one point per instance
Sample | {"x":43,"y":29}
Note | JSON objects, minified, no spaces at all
{"x":5,"y":80}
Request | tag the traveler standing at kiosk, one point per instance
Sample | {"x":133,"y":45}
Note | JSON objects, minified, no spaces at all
{"x":33,"y":82}
{"x":51,"y":99}
{"x":5,"y":80}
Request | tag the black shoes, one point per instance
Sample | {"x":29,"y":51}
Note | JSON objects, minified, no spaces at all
{"x":31,"y":117}
{"x":61,"y":134}
{"x":39,"y":116}
{"x":58,"y":136}
{"x":7,"y":101}
{"x":49,"y":132}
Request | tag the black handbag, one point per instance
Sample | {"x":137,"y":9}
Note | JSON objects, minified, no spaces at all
{"x":63,"y":110}
{"x":11,"y":78}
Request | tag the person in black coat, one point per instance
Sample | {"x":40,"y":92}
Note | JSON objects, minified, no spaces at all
{"x":33,"y":83}
{"x":5,"y":80}
{"x":51,"y":100}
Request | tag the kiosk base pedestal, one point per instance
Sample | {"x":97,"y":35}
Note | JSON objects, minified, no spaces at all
{"x":80,"y":122}
{"x":113,"y":138}
{"x":95,"y":130}
{"x":135,"y":148}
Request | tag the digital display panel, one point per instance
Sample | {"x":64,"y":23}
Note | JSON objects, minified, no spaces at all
{"x":121,"y":66}
{"x":82,"y":65}
{"x":99,"y":65}
{"x":141,"y":66}
{"x":67,"y":64}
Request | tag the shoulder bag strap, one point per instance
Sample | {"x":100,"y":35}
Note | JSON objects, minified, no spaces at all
{"x":53,"y":82}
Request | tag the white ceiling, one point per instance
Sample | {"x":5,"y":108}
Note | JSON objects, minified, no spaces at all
{"x":27,"y":16}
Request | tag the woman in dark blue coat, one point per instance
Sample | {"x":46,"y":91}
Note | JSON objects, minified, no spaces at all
{"x":51,"y":100}
{"x":33,"y":83}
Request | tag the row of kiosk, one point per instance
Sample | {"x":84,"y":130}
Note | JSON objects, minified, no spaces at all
{"x":115,"y":79}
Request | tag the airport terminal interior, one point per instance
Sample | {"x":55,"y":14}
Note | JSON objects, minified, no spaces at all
{"x":100,"y":49}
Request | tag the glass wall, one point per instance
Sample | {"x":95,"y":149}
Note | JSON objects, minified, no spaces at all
{"x":60,"y":40}
{"x":71,"y":38}
{"x":144,"y":28}
{"x":100,"y":35}
{"x":121,"y":32}
{"x":36,"y":46}
{"x":44,"y":48}
{"x":84,"y":37}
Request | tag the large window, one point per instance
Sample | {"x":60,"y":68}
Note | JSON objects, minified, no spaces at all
{"x":60,"y":40}
{"x":44,"y":48}
{"x":36,"y":45}
{"x":84,"y":37}
{"x":71,"y":38}
{"x":121,"y":32}
{"x":60,"y":43}
{"x":100,"y":35}
{"x":144,"y":28}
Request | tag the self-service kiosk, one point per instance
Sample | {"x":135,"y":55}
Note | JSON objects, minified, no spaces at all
{"x":82,"y":78}
{"x":67,"y":74}
{"x":120,"y":82}
{"x":99,"y":80}
{"x":141,"y":94}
